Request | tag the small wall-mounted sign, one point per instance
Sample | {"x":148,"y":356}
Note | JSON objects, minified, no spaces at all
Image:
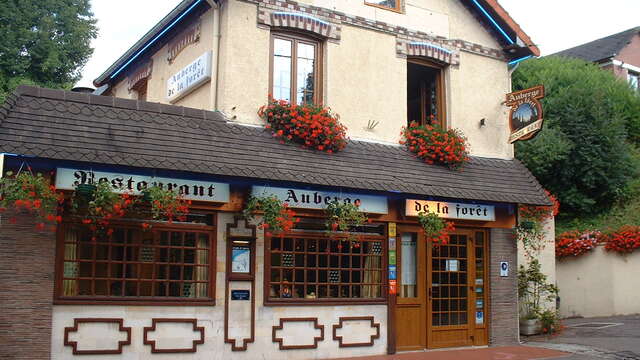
{"x":479,"y":317}
{"x":240,"y":295}
{"x":68,"y":179}
{"x":392,"y":229}
{"x":504,"y":268}
{"x":393,"y":274}
{"x":241,"y":259}
{"x":189,"y":78}
{"x":450,"y":210}
{"x":393,"y":258}
{"x":525,"y":116}
{"x":311,"y":199}
{"x":393,"y":287}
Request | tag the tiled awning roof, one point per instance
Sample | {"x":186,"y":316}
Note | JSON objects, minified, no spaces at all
{"x":65,"y":125}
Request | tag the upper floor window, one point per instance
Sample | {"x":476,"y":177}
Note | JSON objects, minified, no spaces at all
{"x":385,"y":4}
{"x":425,"y":93}
{"x":633,"y":79}
{"x":295,"y":69}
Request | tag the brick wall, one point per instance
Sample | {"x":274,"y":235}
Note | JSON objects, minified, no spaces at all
{"x":26,"y":289}
{"x":503,"y":328}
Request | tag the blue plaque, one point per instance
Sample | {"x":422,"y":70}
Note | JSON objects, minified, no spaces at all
{"x":393,"y":273}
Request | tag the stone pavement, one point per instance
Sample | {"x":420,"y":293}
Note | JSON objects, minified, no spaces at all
{"x":615,"y":338}
{"x":492,"y":353}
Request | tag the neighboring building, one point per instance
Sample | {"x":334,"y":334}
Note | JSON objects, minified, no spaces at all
{"x":619,"y":53}
{"x":303,"y":294}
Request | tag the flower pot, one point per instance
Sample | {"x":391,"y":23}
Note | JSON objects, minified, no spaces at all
{"x":530,"y":326}
{"x":86,"y":191}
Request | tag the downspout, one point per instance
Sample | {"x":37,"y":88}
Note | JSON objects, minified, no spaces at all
{"x":215,"y":56}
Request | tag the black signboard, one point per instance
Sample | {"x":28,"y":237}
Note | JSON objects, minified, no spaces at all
{"x":240,"y":295}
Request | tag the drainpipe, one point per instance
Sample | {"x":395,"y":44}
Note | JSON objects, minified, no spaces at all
{"x":215,"y":56}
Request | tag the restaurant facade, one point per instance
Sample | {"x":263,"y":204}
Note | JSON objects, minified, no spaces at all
{"x":179,"y":110}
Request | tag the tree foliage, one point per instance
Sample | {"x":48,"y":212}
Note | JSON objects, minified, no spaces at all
{"x":592,"y":120}
{"x":44,"y":42}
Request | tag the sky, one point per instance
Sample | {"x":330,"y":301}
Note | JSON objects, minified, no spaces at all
{"x":553,"y":25}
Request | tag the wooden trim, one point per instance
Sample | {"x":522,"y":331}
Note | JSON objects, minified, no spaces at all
{"x":155,"y":321}
{"x":296,"y":37}
{"x":240,"y":277}
{"x":355,"y":318}
{"x":74,"y":328}
{"x":397,"y":9}
{"x":280,"y":341}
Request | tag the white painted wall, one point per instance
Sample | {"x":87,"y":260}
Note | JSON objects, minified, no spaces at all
{"x":599,"y":283}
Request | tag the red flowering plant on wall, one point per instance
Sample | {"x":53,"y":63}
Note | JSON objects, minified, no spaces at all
{"x":29,"y":193}
{"x":575,"y":243}
{"x":436,"y":229}
{"x":166,"y":204}
{"x":311,"y":126}
{"x":623,"y":241}
{"x":100,"y":204}
{"x":436,"y":145}
{"x":530,"y":229}
{"x":276,"y":215}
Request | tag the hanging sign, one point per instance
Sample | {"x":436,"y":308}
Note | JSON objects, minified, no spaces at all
{"x":525,"y":114}
{"x":68,"y":179}
{"x":189,"y":78}
{"x":450,"y":210}
{"x":311,"y":199}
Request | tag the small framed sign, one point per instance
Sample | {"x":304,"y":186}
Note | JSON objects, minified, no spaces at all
{"x":504,"y":268}
{"x":240,"y":294}
{"x":241,"y":259}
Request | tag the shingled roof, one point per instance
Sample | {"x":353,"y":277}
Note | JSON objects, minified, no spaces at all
{"x":64,"y":125}
{"x":601,"y":49}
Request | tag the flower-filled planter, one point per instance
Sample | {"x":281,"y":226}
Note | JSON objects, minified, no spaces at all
{"x":342,"y":216}
{"x":435,"y":228}
{"x":30,"y":193}
{"x":99,"y":205}
{"x":436,"y":145}
{"x":624,"y":240}
{"x":276,"y":215}
{"x":311,"y":126}
{"x":576,"y":243}
{"x":166,"y":204}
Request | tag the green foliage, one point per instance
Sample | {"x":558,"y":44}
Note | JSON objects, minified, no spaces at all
{"x":583,"y":152}
{"x":26,"y":191}
{"x":550,"y":321}
{"x":341,"y":216}
{"x":276,"y":215}
{"x":166,"y":204}
{"x":533,"y":289}
{"x":44,"y":42}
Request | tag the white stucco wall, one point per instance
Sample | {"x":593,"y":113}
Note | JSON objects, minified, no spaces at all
{"x":599,"y":283}
{"x":212,"y":319}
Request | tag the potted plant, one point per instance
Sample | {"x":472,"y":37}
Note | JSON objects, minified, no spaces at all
{"x":99,"y":205}
{"x":32,"y":194}
{"x":342,"y":216}
{"x":276,"y":215}
{"x":311,"y":126}
{"x":533,"y":292}
{"x":436,"y":145}
{"x":435,"y":228}
{"x":166,"y":204}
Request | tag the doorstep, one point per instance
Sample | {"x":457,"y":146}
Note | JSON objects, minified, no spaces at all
{"x":491,"y":353}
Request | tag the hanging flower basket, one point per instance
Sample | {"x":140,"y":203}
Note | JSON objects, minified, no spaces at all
{"x":33,"y":194}
{"x":435,"y":228}
{"x":530,"y":230}
{"x":166,"y":204}
{"x":99,"y":205}
{"x":436,"y":145}
{"x":311,"y":126}
{"x":276,"y":215}
{"x":342,"y":216}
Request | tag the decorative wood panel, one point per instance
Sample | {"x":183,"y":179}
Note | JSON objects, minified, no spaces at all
{"x":74,"y":344}
{"x":280,"y":341}
{"x":156,"y":350}
{"x":355,"y":318}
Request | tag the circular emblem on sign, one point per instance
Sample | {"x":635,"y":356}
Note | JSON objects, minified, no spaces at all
{"x":525,"y":115}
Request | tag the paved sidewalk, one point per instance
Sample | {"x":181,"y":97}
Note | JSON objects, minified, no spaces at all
{"x":492,"y":353}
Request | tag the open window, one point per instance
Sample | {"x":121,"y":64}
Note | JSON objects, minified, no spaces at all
{"x":425,"y":93}
{"x":295,"y":68}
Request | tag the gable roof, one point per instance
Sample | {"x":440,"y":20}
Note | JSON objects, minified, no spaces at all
{"x":64,"y":125}
{"x":520,"y":44}
{"x":601,"y":49}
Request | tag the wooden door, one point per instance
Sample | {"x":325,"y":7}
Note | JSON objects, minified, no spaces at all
{"x":456,"y":305}
{"x":411,"y":318}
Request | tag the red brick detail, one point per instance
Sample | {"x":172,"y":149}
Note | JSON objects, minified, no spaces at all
{"x":26,"y":279}
{"x":503,"y":323}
